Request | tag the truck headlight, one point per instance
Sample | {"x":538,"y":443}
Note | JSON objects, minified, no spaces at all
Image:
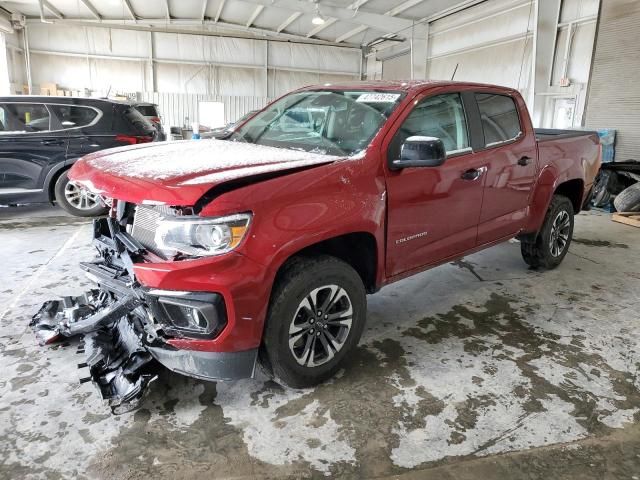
{"x":200,"y":237}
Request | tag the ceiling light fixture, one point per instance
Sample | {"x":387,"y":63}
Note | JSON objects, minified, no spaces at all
{"x":318,"y":19}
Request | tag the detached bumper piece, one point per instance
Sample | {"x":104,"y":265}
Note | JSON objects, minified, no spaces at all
{"x":119,"y":364}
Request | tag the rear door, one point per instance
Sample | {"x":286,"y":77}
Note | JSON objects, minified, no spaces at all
{"x":509,"y":152}
{"x":433,"y":212}
{"x":75,"y":123}
{"x":29,"y":150}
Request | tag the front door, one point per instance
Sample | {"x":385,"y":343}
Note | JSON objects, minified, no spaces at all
{"x":28,"y":149}
{"x":433,"y":212}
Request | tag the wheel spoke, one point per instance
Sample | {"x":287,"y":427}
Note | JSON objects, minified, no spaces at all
{"x":325,"y":345}
{"x":340,"y":294}
{"x":335,"y":343}
{"x":307,"y":351}
{"x":294,"y":338}
{"x":311,"y":341}
{"x":334,"y":291}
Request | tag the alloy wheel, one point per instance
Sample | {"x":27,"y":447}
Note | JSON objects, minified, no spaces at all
{"x":560,"y":231}
{"x":321,"y":325}
{"x":79,"y":197}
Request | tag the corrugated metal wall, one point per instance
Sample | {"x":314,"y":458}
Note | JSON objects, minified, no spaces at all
{"x":614,"y":94}
{"x":175,"y":108}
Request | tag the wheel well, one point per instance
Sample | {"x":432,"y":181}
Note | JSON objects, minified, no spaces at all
{"x":573,"y":190}
{"x":357,"y":249}
{"x":52,"y":184}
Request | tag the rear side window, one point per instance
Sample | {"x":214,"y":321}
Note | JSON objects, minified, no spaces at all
{"x":147,"y":110}
{"x":500,"y":120}
{"x":72,"y":116}
{"x":138,"y":121}
{"x":24,"y":117}
{"x":441,"y":117}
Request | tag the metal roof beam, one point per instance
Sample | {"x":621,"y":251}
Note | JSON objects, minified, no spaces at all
{"x":373,"y":20}
{"x":292,"y":18}
{"x":130,"y":10}
{"x":92,"y":9}
{"x":330,"y":21}
{"x":254,"y":15}
{"x":52,"y":9}
{"x":219,"y":12}
{"x":205,"y":4}
{"x":391,"y":13}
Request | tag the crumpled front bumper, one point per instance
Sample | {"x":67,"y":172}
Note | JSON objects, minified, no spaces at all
{"x":123,"y":341}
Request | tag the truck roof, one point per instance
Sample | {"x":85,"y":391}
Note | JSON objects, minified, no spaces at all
{"x":405,"y":85}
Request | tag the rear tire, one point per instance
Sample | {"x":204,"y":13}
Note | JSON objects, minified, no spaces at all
{"x":303,"y":347}
{"x":76,"y":200}
{"x":552,"y":242}
{"x":629,"y":199}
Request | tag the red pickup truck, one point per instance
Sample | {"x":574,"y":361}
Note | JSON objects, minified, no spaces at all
{"x":219,"y":254}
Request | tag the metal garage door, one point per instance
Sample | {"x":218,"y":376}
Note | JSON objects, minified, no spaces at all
{"x":614,"y":92}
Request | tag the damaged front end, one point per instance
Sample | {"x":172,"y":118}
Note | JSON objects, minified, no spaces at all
{"x":127,"y":328}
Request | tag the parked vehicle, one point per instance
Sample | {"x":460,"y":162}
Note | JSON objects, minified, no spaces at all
{"x":150,"y":112}
{"x":42,"y":137}
{"x":221,"y":133}
{"x":264,"y":247}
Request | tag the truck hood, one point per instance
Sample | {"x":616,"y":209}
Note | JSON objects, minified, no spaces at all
{"x":180,"y":173}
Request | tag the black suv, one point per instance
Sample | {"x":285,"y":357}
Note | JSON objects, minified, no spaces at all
{"x":41,"y":137}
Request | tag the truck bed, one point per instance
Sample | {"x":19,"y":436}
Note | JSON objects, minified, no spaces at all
{"x":545,"y":134}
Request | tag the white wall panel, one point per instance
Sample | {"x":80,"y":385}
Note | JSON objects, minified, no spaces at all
{"x":283,"y":81}
{"x":397,"y":68}
{"x":76,"y":73}
{"x":488,"y":43}
{"x":72,"y":57}
{"x":313,"y":57}
{"x":208,"y":49}
{"x":507,"y":64}
{"x":87,"y":40}
{"x":473,"y":27}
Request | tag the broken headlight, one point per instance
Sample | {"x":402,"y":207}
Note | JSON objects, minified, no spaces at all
{"x":200,"y":237}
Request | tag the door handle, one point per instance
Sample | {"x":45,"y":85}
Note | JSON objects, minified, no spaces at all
{"x":51,"y":142}
{"x":524,"y":161}
{"x":473,"y":173}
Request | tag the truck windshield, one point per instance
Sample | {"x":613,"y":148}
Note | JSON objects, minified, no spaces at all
{"x":331,"y":122}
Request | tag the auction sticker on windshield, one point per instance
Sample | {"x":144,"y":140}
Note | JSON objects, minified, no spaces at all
{"x":378,"y":97}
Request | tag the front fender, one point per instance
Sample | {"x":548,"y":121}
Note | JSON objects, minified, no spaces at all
{"x":293,"y":212}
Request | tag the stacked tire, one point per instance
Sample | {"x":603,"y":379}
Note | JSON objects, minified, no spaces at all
{"x":629,"y":199}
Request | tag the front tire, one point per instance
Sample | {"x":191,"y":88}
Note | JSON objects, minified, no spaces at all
{"x":77,"y":200}
{"x":316,"y":316}
{"x":552,"y":242}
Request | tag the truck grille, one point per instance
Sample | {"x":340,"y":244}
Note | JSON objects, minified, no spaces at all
{"x":145,"y":224}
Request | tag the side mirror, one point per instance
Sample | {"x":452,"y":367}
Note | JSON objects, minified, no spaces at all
{"x":420,"y":152}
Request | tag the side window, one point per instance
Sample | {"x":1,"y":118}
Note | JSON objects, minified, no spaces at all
{"x":24,"y":117}
{"x":442,"y":117}
{"x":500,"y":120}
{"x":72,"y":116}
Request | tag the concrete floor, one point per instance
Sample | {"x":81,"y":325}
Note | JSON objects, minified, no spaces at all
{"x":480,"y":368}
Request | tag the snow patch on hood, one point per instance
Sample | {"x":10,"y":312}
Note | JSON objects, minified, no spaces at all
{"x":192,"y":159}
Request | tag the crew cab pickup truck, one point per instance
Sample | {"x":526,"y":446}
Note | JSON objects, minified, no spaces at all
{"x":217,"y":255}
